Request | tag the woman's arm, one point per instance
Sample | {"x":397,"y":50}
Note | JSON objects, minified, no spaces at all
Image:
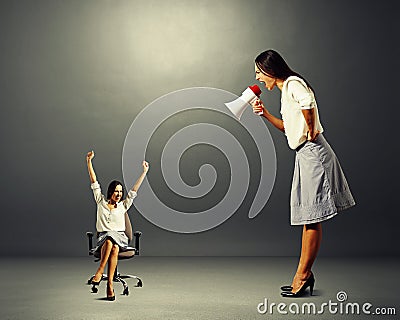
{"x":309,"y":116}
{"x":259,"y":107}
{"x":139,"y":181}
{"x":93,"y":179}
{"x":133,"y":192}
{"x":92,"y":174}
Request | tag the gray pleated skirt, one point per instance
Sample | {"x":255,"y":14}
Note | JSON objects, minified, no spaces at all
{"x":118,"y":237}
{"x":319,"y":187}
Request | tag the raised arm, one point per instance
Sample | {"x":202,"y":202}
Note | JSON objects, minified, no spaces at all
{"x":92,"y":174}
{"x":139,"y":181}
{"x":259,"y":107}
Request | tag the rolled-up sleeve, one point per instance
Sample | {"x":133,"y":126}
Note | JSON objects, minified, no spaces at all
{"x":301,"y":94}
{"x":95,"y":186}
{"x":129,"y":199}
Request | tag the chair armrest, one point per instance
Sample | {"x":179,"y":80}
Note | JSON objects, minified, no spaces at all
{"x":137,"y":235}
{"x":90,"y":242}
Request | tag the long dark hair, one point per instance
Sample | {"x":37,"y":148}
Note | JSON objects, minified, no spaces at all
{"x":111,"y":188}
{"x":272,"y":64}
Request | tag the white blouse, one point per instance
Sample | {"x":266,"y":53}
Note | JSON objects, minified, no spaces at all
{"x":297,"y":96}
{"x":111,"y":220}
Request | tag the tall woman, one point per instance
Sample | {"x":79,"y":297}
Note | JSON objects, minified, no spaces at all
{"x":319,"y":187}
{"x":110,"y":222}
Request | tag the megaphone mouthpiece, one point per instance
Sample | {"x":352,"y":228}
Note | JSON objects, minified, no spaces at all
{"x":256,"y":89}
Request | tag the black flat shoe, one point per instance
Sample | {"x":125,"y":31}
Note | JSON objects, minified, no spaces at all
{"x":309,"y":283}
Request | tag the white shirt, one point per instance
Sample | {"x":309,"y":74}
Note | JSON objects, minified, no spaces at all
{"x":111,"y":220}
{"x":297,"y":96}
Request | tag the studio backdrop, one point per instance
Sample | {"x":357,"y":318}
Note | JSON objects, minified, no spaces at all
{"x":149,"y":79}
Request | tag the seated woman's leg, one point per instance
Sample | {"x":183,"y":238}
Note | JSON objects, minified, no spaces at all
{"x":112,"y":265}
{"x":105,"y":254}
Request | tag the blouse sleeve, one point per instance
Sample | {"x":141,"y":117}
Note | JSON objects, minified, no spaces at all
{"x":129,"y":199}
{"x":301,"y":94}
{"x":96,"y":191}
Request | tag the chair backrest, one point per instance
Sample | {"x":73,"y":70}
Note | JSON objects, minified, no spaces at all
{"x":128,"y":227}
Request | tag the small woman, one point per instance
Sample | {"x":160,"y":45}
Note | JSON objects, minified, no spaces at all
{"x":319,"y":187}
{"x":110,"y":222}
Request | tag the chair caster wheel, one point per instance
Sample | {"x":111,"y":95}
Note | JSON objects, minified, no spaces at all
{"x":139,"y":284}
{"x":95,"y":290}
{"x":126,"y":292}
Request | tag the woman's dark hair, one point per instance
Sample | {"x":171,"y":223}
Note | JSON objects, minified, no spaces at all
{"x":272,"y":64}
{"x":111,"y":188}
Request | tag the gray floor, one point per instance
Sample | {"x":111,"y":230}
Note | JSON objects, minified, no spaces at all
{"x":195,"y":288}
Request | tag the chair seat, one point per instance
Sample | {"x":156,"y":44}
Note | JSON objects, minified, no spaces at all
{"x":126,"y":253}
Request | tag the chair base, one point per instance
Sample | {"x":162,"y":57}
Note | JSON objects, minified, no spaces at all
{"x":117,"y":278}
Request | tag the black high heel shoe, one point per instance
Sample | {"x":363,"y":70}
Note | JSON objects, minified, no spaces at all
{"x":309,"y":283}
{"x":286,"y":288}
{"x":290,"y":288}
{"x":95,"y":283}
{"x":110,"y":298}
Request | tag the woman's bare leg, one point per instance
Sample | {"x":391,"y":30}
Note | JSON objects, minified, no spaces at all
{"x":112,"y":265}
{"x":105,"y":254}
{"x":310,"y":243}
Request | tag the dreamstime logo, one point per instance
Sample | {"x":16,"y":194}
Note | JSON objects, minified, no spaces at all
{"x":342,"y":307}
{"x":204,"y":164}
{"x":341,"y":296}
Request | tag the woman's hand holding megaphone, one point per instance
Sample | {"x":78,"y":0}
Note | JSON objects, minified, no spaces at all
{"x":258,"y":107}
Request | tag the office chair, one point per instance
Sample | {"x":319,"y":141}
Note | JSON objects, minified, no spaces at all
{"x":124,"y":254}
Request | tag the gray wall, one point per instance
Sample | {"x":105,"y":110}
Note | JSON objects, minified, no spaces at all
{"x":74,"y":74}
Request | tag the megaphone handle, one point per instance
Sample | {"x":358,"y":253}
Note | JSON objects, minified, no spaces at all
{"x":258,"y":113}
